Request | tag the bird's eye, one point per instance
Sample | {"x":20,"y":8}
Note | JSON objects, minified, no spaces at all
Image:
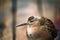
{"x":31,"y":21}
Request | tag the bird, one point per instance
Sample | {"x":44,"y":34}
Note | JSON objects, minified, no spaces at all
{"x":40,"y":28}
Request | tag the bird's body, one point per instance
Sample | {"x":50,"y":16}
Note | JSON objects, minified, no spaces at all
{"x":42,"y":29}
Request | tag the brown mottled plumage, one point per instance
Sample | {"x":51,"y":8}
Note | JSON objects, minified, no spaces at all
{"x":40,"y":29}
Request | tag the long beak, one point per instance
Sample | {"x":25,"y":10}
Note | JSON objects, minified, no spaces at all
{"x":22,"y":24}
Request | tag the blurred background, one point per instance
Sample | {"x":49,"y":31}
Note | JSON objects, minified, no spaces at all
{"x":25,"y":9}
{"x":46,"y":8}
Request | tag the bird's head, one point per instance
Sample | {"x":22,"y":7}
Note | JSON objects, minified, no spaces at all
{"x":46,"y":26}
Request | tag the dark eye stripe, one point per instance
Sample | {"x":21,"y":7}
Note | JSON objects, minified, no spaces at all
{"x":30,"y":18}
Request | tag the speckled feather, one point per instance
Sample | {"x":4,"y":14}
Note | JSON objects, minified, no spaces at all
{"x":42,"y":29}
